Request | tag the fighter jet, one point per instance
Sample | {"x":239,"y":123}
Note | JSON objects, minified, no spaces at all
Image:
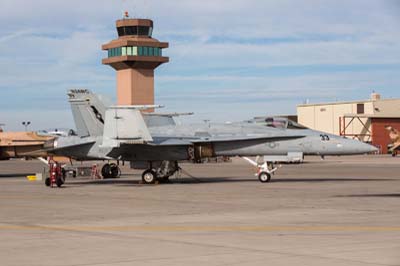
{"x":156,"y":143}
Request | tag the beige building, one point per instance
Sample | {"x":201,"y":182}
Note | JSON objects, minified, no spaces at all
{"x":364,"y":119}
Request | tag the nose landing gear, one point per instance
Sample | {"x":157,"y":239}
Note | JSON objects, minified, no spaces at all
{"x":265,"y":170}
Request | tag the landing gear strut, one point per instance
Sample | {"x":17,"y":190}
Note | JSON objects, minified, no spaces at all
{"x":161,"y":173}
{"x":110,"y":170}
{"x":265,"y":170}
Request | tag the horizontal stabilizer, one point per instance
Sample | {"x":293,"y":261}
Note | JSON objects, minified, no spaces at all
{"x":169,"y":114}
{"x":71,"y":145}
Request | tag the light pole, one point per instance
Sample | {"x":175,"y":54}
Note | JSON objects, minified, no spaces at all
{"x":26,"y":124}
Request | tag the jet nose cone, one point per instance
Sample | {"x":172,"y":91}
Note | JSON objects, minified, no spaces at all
{"x":373,"y":149}
{"x":358,"y":147}
{"x":367,"y":148}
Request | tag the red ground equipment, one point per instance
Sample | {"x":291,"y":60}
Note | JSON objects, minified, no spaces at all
{"x":56,"y":174}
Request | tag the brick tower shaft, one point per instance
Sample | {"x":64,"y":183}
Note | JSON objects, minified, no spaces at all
{"x":135,"y":86}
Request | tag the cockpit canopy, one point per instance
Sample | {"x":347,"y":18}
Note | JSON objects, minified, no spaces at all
{"x":58,"y":132}
{"x":278,"y":122}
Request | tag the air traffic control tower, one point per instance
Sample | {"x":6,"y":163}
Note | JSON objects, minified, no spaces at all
{"x":135,"y":55}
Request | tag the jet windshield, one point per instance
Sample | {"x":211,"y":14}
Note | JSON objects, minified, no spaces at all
{"x":293,"y":125}
{"x":279,"y":122}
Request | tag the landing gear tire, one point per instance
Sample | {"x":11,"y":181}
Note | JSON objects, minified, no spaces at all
{"x":105,"y":171}
{"x":264,"y":177}
{"x":149,"y":177}
{"x":115,"y":171}
{"x":110,"y":170}
{"x":47,"y":182}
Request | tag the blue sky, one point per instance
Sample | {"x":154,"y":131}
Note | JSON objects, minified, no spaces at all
{"x":229,"y":60}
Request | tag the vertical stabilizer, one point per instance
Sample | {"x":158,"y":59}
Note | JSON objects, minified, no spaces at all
{"x":125,"y":125}
{"x":88,"y":111}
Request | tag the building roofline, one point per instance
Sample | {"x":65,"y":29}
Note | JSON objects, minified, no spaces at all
{"x":347,"y":102}
{"x":372,"y":115}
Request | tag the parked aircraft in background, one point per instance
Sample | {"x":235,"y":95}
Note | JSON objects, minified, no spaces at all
{"x":394,"y":136}
{"x":23,"y":144}
{"x":157,"y":144}
{"x":59,"y":132}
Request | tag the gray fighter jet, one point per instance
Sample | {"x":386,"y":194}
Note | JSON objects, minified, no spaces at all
{"x":156,"y":143}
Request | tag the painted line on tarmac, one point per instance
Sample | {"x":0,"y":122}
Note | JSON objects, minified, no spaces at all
{"x":200,"y":228}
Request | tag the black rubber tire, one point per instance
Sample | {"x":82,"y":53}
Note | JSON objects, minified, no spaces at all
{"x":105,"y":171}
{"x":264,"y":177}
{"x":47,"y":181}
{"x":60,"y":181}
{"x":149,"y":177}
{"x":115,"y":171}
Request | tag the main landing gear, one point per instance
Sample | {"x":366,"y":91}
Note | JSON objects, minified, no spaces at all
{"x":265,"y":170}
{"x":110,"y":170}
{"x":159,"y":173}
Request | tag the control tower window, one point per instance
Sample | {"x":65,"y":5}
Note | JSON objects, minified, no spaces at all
{"x":144,"y":31}
{"x":135,"y":51}
{"x":127,"y":30}
{"x":131,"y":30}
{"x":135,"y":30}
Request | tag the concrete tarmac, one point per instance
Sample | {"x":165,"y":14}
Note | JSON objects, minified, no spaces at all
{"x":341,"y":211}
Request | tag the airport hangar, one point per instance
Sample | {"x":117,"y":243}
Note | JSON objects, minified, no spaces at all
{"x":364,"y":119}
